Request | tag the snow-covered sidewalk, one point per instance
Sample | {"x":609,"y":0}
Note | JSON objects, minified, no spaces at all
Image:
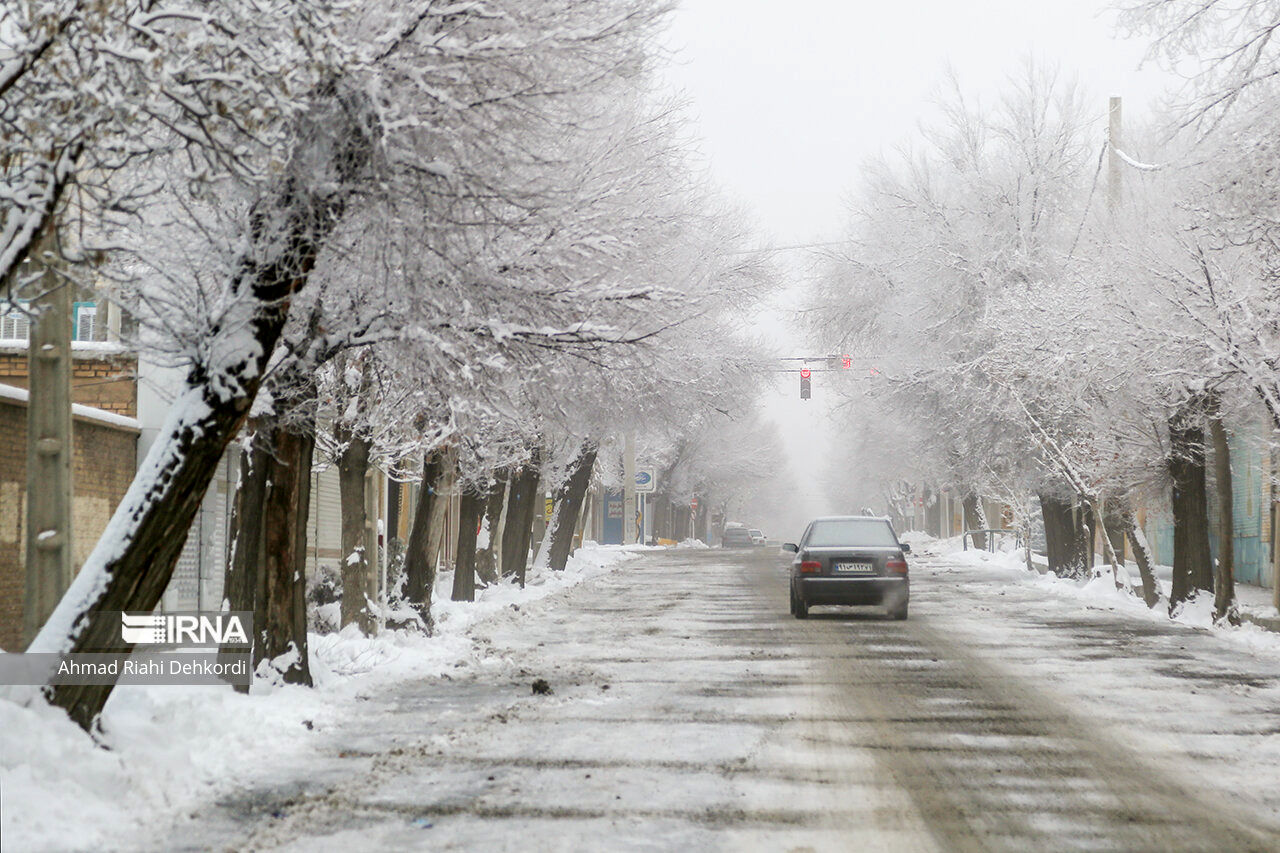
{"x":169,"y":749}
{"x":1261,"y":630}
{"x":1190,"y":695}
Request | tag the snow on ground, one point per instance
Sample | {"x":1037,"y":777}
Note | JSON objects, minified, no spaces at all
{"x":691,"y":712}
{"x":1195,"y":699}
{"x":171,"y":748}
{"x":1100,"y":592}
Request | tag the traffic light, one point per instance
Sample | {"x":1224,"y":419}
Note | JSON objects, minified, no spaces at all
{"x":804,"y":383}
{"x":846,"y":362}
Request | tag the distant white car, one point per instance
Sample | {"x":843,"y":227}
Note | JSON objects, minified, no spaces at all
{"x":757,"y":538}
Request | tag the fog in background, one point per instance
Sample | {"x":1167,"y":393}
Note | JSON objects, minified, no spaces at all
{"x":789,"y":100}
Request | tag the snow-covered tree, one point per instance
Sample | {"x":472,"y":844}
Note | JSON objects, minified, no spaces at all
{"x":409,"y":84}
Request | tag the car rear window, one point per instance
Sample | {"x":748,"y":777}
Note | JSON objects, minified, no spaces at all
{"x":736,"y":533}
{"x":851,"y":531}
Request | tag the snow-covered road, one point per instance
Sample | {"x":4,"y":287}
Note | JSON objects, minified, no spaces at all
{"x":691,"y":712}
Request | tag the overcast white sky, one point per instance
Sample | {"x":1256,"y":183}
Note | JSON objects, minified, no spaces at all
{"x":790,"y":97}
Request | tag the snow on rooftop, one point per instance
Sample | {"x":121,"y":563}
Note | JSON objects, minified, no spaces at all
{"x":90,"y":413}
{"x":20,"y":346}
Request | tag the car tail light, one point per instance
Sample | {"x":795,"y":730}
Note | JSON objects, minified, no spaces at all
{"x":896,"y":566}
{"x":811,"y":566}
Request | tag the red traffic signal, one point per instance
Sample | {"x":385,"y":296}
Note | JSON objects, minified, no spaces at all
{"x":846,"y":361}
{"x":804,"y":373}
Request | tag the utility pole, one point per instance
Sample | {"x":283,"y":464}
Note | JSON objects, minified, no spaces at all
{"x":629,"y":489}
{"x":1275,"y":536}
{"x":49,"y":564}
{"x":374,"y":588}
{"x":1114,"y":165}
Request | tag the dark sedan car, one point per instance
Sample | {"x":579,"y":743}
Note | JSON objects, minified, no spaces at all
{"x":849,"y":560}
{"x":736,"y":537}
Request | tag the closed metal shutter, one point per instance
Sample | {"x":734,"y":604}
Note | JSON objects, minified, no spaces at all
{"x":325,"y":520}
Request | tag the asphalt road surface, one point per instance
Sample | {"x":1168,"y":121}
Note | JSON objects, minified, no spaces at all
{"x":691,"y":712}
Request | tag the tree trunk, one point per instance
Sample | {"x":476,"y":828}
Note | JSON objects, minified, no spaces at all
{"x":1088,"y":524}
{"x":1026,"y":540}
{"x":1224,"y":589}
{"x":661,"y":516}
{"x":240,"y":584}
{"x":518,"y":492}
{"x":133,"y":563}
{"x":487,"y":558}
{"x":419,"y":565}
{"x":568,"y":506}
{"x":933,"y":514}
{"x":464,"y":570}
{"x":532,"y":512}
{"x":1192,"y":561}
{"x":520,"y":515}
{"x":1141,"y":554}
{"x":440,"y":517}
{"x":1116,"y":524}
{"x":972,"y":519}
{"x":353,"y":472}
{"x":581,"y":530}
{"x":1064,"y":536}
{"x":280,"y":620}
{"x":1098,"y":513}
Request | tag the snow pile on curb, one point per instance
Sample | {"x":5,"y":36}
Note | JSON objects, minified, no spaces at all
{"x":589,"y":561}
{"x":922,"y":544}
{"x":1100,"y":592}
{"x":172,"y":748}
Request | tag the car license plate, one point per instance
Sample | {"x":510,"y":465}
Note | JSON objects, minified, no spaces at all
{"x":855,"y":568}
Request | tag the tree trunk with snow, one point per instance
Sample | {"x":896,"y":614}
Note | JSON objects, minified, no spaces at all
{"x":1192,"y":559}
{"x":932,"y":514}
{"x":567,"y":506}
{"x":1064,"y":535}
{"x":523,"y":505}
{"x":1097,"y":512}
{"x":488,"y":558}
{"x":1141,"y":554}
{"x":1116,"y":524}
{"x":517,"y":497}
{"x":419,"y":563}
{"x":353,"y":478}
{"x":280,"y":619}
{"x":240,"y":583}
{"x":440,"y":517}
{"x":1088,"y":520}
{"x":1224,"y":587}
{"x":974,"y":519}
{"x":661,"y":515}
{"x":134,"y":559}
{"x":471,"y":507}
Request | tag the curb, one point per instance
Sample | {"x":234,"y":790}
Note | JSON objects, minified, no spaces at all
{"x":1269,"y":623}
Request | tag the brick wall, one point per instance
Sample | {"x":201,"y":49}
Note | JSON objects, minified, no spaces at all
{"x":103,"y":465}
{"x":102,"y":380}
